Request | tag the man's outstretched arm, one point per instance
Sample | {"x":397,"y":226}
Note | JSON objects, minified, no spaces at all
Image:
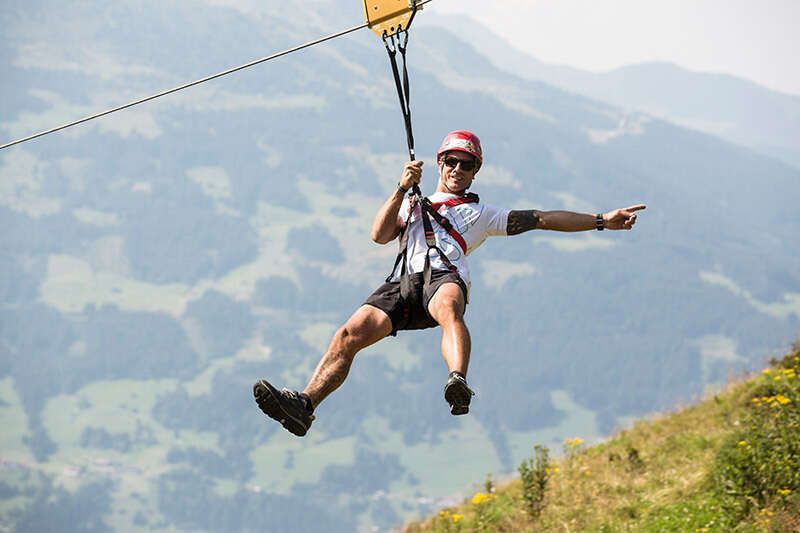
{"x":522,"y":221}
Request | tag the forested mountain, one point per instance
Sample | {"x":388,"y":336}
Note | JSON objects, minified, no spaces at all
{"x":158,"y":261}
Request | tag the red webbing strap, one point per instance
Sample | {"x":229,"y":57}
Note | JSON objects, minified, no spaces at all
{"x":469,"y":198}
{"x":433,"y":210}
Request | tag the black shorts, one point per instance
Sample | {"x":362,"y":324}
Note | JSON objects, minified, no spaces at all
{"x":412,"y":312}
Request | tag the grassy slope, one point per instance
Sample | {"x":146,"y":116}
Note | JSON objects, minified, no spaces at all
{"x":656,"y":476}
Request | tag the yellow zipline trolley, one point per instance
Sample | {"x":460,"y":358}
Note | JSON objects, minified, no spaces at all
{"x":387,"y":17}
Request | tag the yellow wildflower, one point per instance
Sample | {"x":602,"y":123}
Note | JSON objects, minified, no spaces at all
{"x":574,"y":443}
{"x":742,"y":443}
{"x":784,"y":492}
{"x":781,"y":399}
{"x":764,"y":517}
{"x":767,"y":371}
{"x":479,"y":498}
{"x":457,"y":518}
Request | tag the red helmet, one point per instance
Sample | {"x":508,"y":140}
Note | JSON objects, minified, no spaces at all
{"x":462,"y":141}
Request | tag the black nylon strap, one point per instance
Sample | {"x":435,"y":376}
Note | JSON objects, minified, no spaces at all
{"x":430,"y":238}
{"x":401,"y":255}
{"x":440,"y":219}
{"x":402,"y":45}
{"x":393,"y":43}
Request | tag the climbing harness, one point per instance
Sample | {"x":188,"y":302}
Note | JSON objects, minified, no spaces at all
{"x":428,"y":210}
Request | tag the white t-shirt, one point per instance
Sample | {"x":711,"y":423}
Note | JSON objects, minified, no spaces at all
{"x":474,"y":222}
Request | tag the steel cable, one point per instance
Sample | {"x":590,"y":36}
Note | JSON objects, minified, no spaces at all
{"x":187,"y":85}
{"x":197,"y":82}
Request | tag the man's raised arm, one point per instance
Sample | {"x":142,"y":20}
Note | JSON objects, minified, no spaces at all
{"x":522,"y":221}
{"x":387,"y":223}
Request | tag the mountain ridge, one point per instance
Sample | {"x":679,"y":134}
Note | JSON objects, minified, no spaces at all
{"x":724,"y":105}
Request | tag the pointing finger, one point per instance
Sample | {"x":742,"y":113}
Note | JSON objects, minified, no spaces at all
{"x":636,"y":207}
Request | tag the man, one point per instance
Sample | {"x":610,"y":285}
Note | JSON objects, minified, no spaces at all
{"x":429,"y":285}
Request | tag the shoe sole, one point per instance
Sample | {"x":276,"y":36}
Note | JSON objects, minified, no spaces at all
{"x":267,"y":398}
{"x":458,"y":397}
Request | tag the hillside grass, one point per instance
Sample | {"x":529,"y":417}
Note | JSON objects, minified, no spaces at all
{"x":728,"y":464}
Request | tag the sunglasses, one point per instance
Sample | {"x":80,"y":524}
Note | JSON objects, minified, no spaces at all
{"x":467,"y":165}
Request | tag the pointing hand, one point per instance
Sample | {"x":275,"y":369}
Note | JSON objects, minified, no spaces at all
{"x":622,"y":218}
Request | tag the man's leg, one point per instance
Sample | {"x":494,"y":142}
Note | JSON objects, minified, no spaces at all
{"x":295,"y":410}
{"x":367,"y":326}
{"x":447,"y":307}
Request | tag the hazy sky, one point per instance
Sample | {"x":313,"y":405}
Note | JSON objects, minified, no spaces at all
{"x":757,"y":40}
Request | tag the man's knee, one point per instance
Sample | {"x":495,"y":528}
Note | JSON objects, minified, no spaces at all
{"x":366,"y":326}
{"x":447,"y":305}
{"x":344,"y":338}
{"x":450,"y":311}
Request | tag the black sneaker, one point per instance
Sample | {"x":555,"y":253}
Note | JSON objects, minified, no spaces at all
{"x":286,"y":406}
{"x":458,"y":394}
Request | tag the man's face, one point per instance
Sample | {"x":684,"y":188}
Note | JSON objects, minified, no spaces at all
{"x":457,"y":171}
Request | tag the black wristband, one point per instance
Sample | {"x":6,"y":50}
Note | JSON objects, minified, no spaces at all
{"x":599,"y":222}
{"x":401,"y":188}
